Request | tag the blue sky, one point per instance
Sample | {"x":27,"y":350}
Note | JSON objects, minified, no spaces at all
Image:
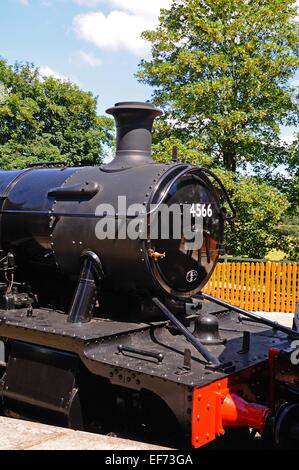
{"x":70,"y":38}
{"x":95,"y":43}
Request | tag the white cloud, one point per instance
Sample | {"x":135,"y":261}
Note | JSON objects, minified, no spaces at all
{"x":121,"y":29}
{"x":46,"y":71}
{"x":89,"y":58}
{"x":146,"y":8}
{"x":118,"y":30}
{"x":88,"y":3}
{"x":24,"y":2}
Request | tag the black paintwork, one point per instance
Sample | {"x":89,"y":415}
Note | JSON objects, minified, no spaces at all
{"x":101,"y":356}
{"x":134,"y":122}
{"x":49,"y":216}
{"x":127,"y":373}
{"x":48,"y":229}
{"x":98,"y":341}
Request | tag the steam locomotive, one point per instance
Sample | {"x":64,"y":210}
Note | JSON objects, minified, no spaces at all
{"x":112,"y":334}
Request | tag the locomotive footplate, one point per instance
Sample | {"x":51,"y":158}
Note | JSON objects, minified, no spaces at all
{"x":131,"y":357}
{"x":152,"y":348}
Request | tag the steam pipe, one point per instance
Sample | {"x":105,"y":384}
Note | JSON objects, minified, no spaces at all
{"x":275,"y":325}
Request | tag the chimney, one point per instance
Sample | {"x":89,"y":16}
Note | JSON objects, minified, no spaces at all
{"x":134,"y":122}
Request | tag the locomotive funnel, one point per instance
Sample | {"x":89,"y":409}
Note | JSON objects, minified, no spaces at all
{"x":134,"y":122}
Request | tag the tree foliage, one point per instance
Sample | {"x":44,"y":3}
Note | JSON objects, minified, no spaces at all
{"x":46,"y":119}
{"x":220,"y":69}
{"x":293,"y":167}
{"x":260,"y":209}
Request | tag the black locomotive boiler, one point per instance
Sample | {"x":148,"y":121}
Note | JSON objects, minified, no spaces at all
{"x":113,"y":334}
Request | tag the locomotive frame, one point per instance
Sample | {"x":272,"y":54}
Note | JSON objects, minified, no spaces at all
{"x":172,"y":365}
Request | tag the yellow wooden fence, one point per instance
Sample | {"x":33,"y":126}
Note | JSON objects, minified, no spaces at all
{"x":269,"y":287}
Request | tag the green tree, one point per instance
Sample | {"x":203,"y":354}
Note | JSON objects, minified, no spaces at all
{"x":46,"y":119}
{"x":220,"y":70}
{"x":293,"y":167}
{"x":260,"y":208}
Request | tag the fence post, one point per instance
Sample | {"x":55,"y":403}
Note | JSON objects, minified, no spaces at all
{"x":267,"y":290}
{"x":256,"y":287}
{"x":278,"y":288}
{"x":262,"y":286}
{"x":294,"y":286}
{"x":283,"y":288}
{"x":289,"y":283}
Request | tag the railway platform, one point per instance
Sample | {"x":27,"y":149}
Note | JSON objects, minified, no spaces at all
{"x":16,"y":434}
